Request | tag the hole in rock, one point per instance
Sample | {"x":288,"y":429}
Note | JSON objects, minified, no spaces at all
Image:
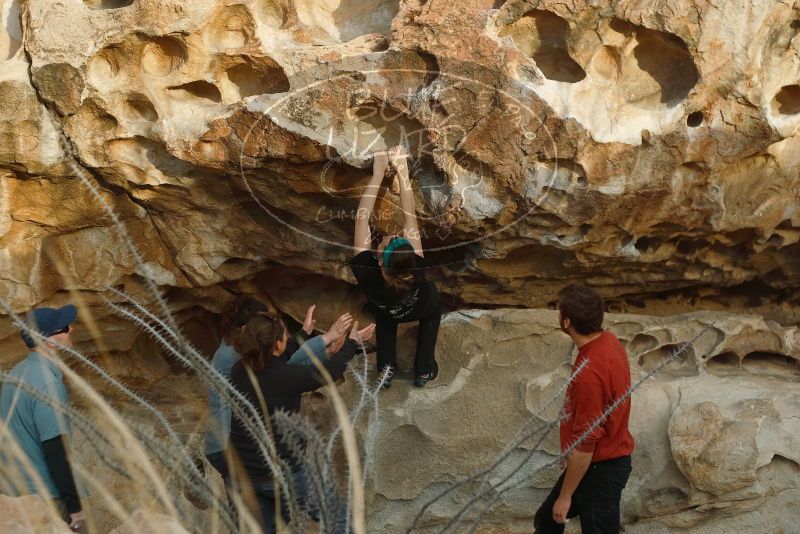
{"x":140,"y":108}
{"x":162,"y":55}
{"x":606,"y":64}
{"x":199,"y":89}
{"x":694,"y":119}
{"x":770,"y":363}
{"x":106,"y":64}
{"x":11,"y":38}
{"x":344,"y":181}
{"x":787,"y":101}
{"x":144,"y":153}
{"x":272,"y":13}
{"x":107,"y":4}
{"x":724,"y":359}
{"x":542,"y":36}
{"x":756,"y":362}
{"x":411,"y":70}
{"x":646,"y":243}
{"x":775,"y":240}
{"x":351,"y":18}
{"x":233,"y":27}
{"x":671,"y":67}
{"x":642,"y":343}
{"x":688,"y":246}
{"x":251,"y":82}
{"x":680,"y":365}
{"x":742,"y":236}
{"x":432,"y":69}
{"x":795,"y":24}
{"x":661,"y":70}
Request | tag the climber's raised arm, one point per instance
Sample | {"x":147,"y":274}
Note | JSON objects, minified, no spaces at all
{"x":362,"y":238}
{"x":399,"y":159}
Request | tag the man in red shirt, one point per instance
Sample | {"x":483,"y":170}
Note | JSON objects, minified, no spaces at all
{"x":597,"y":448}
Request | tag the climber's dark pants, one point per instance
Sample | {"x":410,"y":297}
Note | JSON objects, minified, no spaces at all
{"x":596,"y":499}
{"x":425,"y":357}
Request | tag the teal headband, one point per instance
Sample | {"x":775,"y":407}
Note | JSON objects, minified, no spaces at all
{"x":393,"y":244}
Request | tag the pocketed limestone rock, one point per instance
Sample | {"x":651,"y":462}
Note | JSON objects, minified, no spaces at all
{"x":20,"y":515}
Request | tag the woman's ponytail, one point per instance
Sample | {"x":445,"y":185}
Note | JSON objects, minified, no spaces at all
{"x":257,"y":339}
{"x":236,"y":314}
{"x":401,"y":269}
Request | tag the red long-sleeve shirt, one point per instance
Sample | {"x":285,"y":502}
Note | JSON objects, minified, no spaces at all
{"x":604,"y":379}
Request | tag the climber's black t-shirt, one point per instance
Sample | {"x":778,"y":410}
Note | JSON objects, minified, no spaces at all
{"x":421,"y":300}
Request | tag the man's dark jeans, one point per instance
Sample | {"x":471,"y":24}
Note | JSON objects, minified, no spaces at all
{"x":595,"y":501}
{"x":265,"y":493}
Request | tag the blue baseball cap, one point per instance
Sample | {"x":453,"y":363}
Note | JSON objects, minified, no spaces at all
{"x":48,"y":321}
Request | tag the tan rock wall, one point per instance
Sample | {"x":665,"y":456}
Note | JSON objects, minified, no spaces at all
{"x":716,"y":430}
{"x":649,"y":149}
{"x":651,"y":156}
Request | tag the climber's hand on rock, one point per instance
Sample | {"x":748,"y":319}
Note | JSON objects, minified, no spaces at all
{"x":398,"y":155}
{"x":380,"y":162}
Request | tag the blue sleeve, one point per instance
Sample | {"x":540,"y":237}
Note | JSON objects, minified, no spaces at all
{"x":315,"y":346}
{"x":48,"y":421}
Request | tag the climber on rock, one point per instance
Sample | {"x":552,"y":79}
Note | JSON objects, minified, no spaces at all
{"x":394,"y":281}
{"x":597,"y":446}
{"x":39,"y":429}
{"x":266,"y":379}
{"x":234,"y":317}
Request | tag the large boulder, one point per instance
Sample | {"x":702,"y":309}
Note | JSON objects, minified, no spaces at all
{"x":21,"y":515}
{"x":144,"y":522}
{"x":716,"y":429}
{"x":654,"y":157}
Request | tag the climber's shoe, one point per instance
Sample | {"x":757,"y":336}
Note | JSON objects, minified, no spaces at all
{"x":388,"y":382}
{"x":421,"y":380}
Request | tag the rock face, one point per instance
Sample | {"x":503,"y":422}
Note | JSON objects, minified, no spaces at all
{"x":654,"y":157}
{"x":150,"y":523}
{"x":29,"y":514}
{"x":716,"y":430}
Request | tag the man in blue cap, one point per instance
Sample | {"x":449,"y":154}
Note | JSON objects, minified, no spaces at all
{"x":36,"y":427}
